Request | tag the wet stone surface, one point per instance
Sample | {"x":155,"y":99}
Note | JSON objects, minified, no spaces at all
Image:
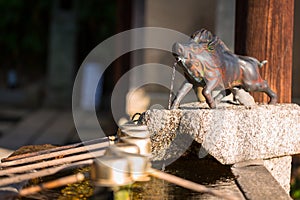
{"x":165,"y":132}
{"x":206,"y":171}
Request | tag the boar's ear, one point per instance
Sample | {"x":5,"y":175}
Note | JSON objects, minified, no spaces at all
{"x":208,"y":36}
{"x":202,"y":36}
{"x":196,"y":36}
{"x":212,"y":43}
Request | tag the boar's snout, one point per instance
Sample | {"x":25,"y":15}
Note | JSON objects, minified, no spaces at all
{"x":177,"y":50}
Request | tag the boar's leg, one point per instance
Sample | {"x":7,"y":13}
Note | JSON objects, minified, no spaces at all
{"x":272,"y":95}
{"x":207,"y":92}
{"x":264,"y":87}
{"x":184,"y":89}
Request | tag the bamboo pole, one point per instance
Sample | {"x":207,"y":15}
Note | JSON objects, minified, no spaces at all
{"x":32,"y":154}
{"x":52,"y":155}
{"x":42,"y":173}
{"x":51,"y":163}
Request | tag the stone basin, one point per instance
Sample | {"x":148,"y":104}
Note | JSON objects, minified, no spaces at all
{"x":230,"y":133}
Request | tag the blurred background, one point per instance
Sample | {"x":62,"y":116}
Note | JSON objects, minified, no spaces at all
{"x":44,"y":42}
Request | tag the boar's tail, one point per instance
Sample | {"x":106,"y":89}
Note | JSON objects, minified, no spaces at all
{"x":262,"y":63}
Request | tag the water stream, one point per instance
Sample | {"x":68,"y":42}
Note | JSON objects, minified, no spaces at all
{"x":172,"y":85}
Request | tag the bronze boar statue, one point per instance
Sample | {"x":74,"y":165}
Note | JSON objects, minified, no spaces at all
{"x":208,"y":63}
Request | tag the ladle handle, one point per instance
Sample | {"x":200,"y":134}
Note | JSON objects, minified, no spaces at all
{"x":53,"y":184}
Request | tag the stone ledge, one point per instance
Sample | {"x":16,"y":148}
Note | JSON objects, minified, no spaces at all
{"x":230,"y":133}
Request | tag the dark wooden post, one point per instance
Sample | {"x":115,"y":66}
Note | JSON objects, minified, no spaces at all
{"x":264,"y":29}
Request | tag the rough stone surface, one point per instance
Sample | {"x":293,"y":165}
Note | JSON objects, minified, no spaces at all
{"x":167,"y":142}
{"x":256,"y":182}
{"x":230,"y":133}
{"x":243,"y":97}
{"x":280,"y":168}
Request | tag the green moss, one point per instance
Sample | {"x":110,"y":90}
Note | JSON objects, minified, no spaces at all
{"x":295,"y":188}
